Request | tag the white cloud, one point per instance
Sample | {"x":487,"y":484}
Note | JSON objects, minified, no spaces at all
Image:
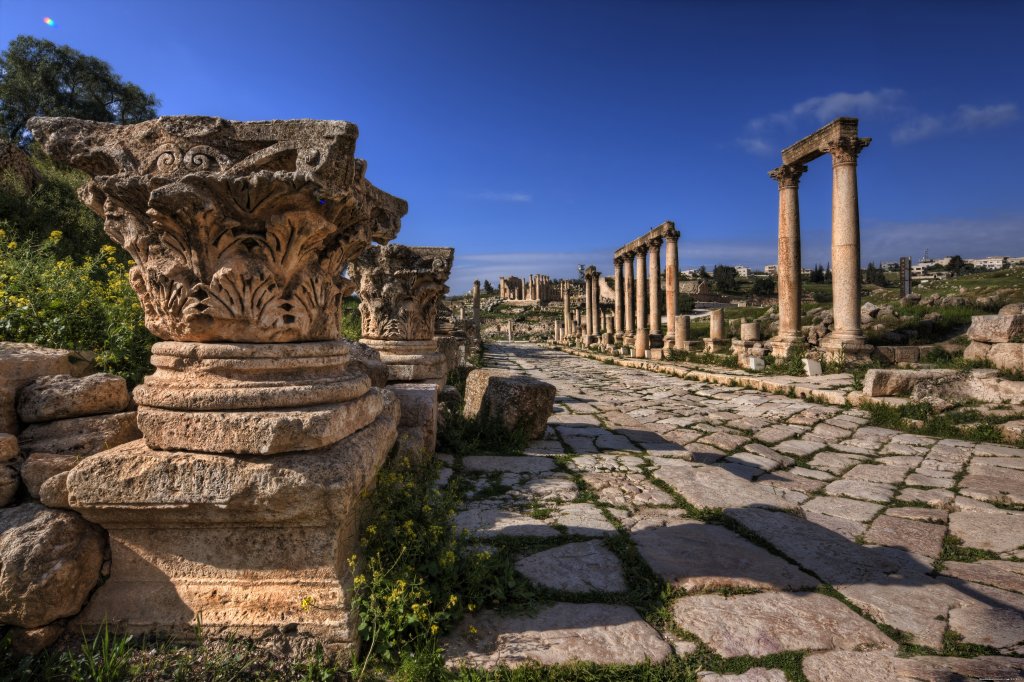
{"x":755,"y":145}
{"x":966,"y":117}
{"x":507,"y":197}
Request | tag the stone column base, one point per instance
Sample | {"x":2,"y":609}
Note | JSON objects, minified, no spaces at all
{"x":853,"y":350}
{"x":410,"y":360}
{"x":782,"y":347}
{"x":715,"y":345}
{"x":248,"y":546}
{"x":417,"y":425}
{"x":689,"y":345}
{"x":253,"y":398}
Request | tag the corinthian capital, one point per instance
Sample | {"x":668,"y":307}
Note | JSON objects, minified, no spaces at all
{"x":399,"y":290}
{"x":239,"y":231}
{"x":846,"y":149}
{"x":787,"y":176}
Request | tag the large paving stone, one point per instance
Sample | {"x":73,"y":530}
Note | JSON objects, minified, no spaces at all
{"x":582,"y":519}
{"x":877,"y":473}
{"x":575,"y":567}
{"x":1007,"y":575}
{"x":835,"y":462}
{"x":626,"y":489}
{"x":918,"y":537}
{"x":609,"y":634}
{"x":707,"y":487}
{"x":751,"y":675}
{"x":842,"y":507}
{"x":878,"y":666}
{"x":773,"y":622}
{"x":996,"y":530}
{"x":553,"y":487}
{"x":699,"y":556}
{"x":513,"y":464}
{"x":487,"y":519}
{"x":915,"y":604}
{"x":933,"y":497}
{"x":992,"y":483}
{"x":607,"y":462}
{"x":861,"y":490}
{"x":991,"y":617}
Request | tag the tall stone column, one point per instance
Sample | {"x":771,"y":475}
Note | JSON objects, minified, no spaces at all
{"x":654,"y":285}
{"x":566,"y":315}
{"x":846,"y":336}
{"x":476,"y":301}
{"x":588,"y":301}
{"x":595,"y":302}
{"x":788,"y":265}
{"x":619,"y":327}
{"x":641,"y":289}
{"x":628,"y":297}
{"x":671,"y":281}
{"x":260,"y":437}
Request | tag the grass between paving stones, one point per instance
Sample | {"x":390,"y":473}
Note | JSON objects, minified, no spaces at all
{"x":923,"y":419}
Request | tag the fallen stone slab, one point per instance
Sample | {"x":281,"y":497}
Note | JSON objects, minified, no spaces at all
{"x":699,"y":556}
{"x":773,"y":622}
{"x":879,"y":383}
{"x":996,"y":328}
{"x":606,"y":634}
{"x":996,"y":530}
{"x":575,"y":567}
{"x":61,"y":396}
{"x":515,"y":401}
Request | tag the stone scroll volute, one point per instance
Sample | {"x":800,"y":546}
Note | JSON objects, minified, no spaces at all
{"x":240,"y":231}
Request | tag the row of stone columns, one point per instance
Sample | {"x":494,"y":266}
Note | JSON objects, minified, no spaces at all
{"x":847,"y":337}
{"x":637,"y":289}
{"x":532,"y":288}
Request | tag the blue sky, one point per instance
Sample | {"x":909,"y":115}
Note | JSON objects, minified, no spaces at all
{"x":536,"y":135}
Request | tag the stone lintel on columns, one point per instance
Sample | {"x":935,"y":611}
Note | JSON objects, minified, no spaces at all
{"x":816,"y":144}
{"x":666,"y":228}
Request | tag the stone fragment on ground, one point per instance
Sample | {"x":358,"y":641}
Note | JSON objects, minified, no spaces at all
{"x":773,"y":622}
{"x":517,"y":402}
{"x":609,"y":634}
{"x":575,"y":567}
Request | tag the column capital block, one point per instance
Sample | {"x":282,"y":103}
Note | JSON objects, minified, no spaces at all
{"x":846,"y":149}
{"x":788,"y":176}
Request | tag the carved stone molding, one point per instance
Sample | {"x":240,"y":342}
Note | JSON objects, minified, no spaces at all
{"x":788,"y":177}
{"x":399,"y":290}
{"x":239,"y":230}
{"x":846,"y":149}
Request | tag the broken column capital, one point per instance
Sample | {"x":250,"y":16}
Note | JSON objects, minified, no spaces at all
{"x":239,"y":230}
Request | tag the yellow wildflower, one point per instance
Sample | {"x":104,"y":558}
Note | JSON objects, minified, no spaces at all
{"x":434,"y":629}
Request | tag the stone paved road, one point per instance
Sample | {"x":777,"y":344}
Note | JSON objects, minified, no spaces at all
{"x":781,"y":525}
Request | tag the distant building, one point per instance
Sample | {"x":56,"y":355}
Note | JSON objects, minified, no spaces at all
{"x":893,"y":266}
{"x":1015,"y":261}
{"x":743,"y":271}
{"x":771,"y":270}
{"x":990,"y":263}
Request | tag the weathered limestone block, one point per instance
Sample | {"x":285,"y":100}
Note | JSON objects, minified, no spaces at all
{"x":63,"y":397}
{"x":997,"y":328}
{"x":417,"y":426}
{"x":9,"y":480}
{"x":893,"y":382}
{"x":750,"y":331}
{"x":41,"y":466}
{"x":977,"y":350}
{"x":1007,"y":355}
{"x":399,"y":290}
{"x":54,"y":491}
{"x":241,"y":540}
{"x":81,"y":436}
{"x":49,"y":563}
{"x":21,"y":363}
{"x":9,"y":449}
{"x":514,"y":401}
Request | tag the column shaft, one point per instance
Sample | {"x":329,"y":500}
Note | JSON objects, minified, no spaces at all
{"x":671,"y":282}
{"x":587,"y":302}
{"x":618,"y":297}
{"x":654,"y":286}
{"x":788,"y":265}
{"x":628,"y":285}
{"x":845,"y":242}
{"x":641,"y":290}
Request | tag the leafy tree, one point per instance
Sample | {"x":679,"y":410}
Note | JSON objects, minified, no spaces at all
{"x":725,"y":278}
{"x":874,"y":275}
{"x":40,"y":78}
{"x":488,"y":287}
{"x":818,"y":275}
{"x":957,"y":265}
{"x":702,"y":273}
{"x":762,"y":286}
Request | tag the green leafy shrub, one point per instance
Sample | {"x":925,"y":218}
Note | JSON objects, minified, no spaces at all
{"x":84,"y":304}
